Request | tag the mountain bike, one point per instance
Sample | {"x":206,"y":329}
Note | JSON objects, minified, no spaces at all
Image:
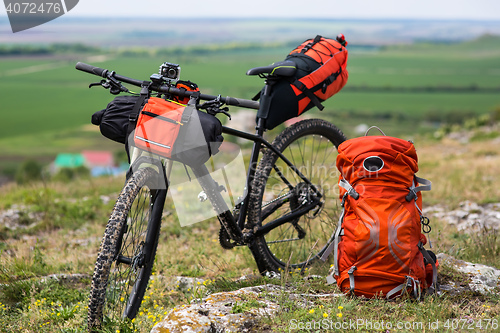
{"x":287,"y":220}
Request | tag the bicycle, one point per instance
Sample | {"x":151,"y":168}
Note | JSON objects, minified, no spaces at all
{"x":287,"y":219}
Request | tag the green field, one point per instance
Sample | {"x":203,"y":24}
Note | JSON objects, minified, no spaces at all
{"x":407,"y":90}
{"x":45,"y":101}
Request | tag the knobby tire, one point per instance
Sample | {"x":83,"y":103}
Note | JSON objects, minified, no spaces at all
{"x":127,"y":252}
{"x":311,"y":145}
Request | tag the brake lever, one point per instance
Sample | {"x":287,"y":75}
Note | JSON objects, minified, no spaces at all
{"x":213,"y":110}
{"x":213,"y":107}
{"x":102,"y":83}
{"x":115,"y":87}
{"x":225,"y":112}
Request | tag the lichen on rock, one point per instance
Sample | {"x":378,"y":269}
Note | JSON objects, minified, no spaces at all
{"x":232,"y":311}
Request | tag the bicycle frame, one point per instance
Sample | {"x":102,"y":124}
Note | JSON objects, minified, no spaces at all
{"x":275,"y":194}
{"x":258,"y":142}
{"x":239,"y":231}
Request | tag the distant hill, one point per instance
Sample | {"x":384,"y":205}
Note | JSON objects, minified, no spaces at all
{"x":125,"y":32}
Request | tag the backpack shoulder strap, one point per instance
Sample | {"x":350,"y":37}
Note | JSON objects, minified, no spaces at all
{"x":434,"y":286}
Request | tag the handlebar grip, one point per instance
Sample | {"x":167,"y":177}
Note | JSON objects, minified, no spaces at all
{"x":244,"y":103}
{"x":91,"y":69}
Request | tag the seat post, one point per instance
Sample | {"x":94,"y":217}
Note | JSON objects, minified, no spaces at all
{"x":265,"y":100}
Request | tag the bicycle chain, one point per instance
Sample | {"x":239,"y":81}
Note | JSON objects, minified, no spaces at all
{"x":278,"y":198}
{"x":225,"y":240}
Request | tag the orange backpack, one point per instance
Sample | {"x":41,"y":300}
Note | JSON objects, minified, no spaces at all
{"x":378,"y":245}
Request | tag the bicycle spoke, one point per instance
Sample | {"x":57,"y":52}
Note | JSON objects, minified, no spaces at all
{"x":121,"y":272}
{"x":303,"y":239}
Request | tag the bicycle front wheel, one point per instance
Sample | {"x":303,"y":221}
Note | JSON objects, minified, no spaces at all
{"x":127,"y":251}
{"x":278,"y":191}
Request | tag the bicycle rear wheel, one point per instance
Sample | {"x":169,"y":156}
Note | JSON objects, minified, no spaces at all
{"x":277,"y":190}
{"x":127,"y":251}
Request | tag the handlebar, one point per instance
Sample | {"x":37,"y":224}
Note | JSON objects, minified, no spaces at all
{"x":91,"y":69}
{"x":165,"y":89}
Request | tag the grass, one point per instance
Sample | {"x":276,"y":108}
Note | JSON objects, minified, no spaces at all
{"x":67,"y":239}
{"x":59,"y":97}
{"x":470,"y":168}
{"x":436,"y":314}
{"x":71,"y":216}
{"x":55,"y":117}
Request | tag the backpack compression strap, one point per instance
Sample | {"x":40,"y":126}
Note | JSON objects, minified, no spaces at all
{"x":132,"y":119}
{"x":309,"y":92}
{"x":351,"y":279}
{"x":306,"y":92}
{"x":426,"y":186}
{"x":316,"y":40}
{"x":409,"y":283}
{"x":338,"y":232}
{"x":348,"y":187}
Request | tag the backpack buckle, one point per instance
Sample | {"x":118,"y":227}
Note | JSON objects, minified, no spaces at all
{"x":411,"y":195}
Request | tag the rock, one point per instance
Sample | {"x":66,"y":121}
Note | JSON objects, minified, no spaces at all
{"x":470,"y":217}
{"x":105,"y":199}
{"x":233,"y":311}
{"x":61,"y":278}
{"x":483,"y":279}
{"x":20,"y":217}
{"x":67,"y":278}
{"x":186,"y":283}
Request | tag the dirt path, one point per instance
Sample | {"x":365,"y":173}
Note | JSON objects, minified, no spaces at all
{"x":51,"y":65}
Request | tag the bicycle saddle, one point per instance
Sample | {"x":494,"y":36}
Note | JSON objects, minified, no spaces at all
{"x":281,"y":68}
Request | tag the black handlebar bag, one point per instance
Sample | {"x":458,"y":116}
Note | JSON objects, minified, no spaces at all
{"x":113,"y":121}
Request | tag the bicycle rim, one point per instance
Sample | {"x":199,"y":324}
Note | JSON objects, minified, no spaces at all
{"x":312,"y":148}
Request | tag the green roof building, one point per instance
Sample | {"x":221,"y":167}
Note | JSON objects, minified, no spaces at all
{"x":69,"y":161}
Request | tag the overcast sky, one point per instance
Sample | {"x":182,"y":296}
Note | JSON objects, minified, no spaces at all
{"x":425,"y":9}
